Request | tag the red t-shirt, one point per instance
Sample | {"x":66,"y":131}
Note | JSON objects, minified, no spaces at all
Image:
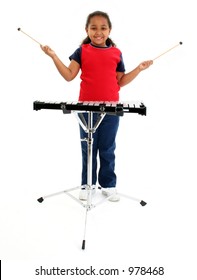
{"x":98,"y":73}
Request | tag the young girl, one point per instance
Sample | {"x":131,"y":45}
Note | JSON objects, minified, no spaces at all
{"x":102,"y":75}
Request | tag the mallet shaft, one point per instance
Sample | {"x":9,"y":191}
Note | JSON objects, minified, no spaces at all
{"x":19,"y":29}
{"x":180,"y":43}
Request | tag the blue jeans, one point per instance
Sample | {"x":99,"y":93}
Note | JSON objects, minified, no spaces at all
{"x":103,"y":144}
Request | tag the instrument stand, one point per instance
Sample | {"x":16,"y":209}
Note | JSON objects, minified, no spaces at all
{"x":89,"y":128}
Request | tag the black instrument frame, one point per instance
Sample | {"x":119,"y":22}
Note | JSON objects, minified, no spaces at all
{"x":114,"y":108}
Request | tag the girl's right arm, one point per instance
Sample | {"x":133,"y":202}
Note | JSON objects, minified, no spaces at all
{"x":68,"y":73}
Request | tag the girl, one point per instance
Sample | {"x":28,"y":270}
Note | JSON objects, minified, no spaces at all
{"x":102,"y":75}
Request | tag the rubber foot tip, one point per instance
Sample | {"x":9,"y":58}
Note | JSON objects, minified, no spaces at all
{"x":83,"y":245}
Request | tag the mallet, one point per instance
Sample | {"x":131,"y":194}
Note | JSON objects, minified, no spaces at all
{"x":19,"y":29}
{"x":180,"y":43}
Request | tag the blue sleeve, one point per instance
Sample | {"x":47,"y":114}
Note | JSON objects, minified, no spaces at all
{"x":120,"y":66}
{"x":76,"y":56}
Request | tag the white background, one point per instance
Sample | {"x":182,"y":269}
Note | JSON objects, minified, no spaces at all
{"x":40,"y":151}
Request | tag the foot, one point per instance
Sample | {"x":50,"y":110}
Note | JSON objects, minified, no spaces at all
{"x":112,"y":193}
{"x":83,"y":195}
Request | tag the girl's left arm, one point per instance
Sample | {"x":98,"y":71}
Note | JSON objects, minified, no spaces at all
{"x":124,"y":79}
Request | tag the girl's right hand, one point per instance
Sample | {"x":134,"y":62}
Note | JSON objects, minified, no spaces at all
{"x":48,"y":51}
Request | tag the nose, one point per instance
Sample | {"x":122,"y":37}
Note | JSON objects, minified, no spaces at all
{"x":98,"y":32}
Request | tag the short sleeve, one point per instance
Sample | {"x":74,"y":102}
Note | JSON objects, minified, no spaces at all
{"x":120,"y":66}
{"x":76,"y":56}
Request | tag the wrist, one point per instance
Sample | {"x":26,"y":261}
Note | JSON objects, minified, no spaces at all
{"x":139,"y":68}
{"x":54,"y":56}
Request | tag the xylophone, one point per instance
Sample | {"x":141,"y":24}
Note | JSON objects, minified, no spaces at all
{"x":115,"y":108}
{"x":102,"y":108}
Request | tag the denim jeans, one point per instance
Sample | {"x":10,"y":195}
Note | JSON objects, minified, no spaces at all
{"x":103,"y":145}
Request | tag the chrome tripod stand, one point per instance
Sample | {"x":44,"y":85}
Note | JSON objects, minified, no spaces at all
{"x":89,"y":128}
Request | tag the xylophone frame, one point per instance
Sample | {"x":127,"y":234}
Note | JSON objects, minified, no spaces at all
{"x":90,"y":129}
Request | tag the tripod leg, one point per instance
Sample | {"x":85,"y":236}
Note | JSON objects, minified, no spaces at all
{"x":142,"y":202}
{"x":88,"y":207}
{"x":84,"y":240}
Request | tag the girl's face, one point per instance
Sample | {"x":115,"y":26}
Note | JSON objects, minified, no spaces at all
{"x":98,"y":31}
